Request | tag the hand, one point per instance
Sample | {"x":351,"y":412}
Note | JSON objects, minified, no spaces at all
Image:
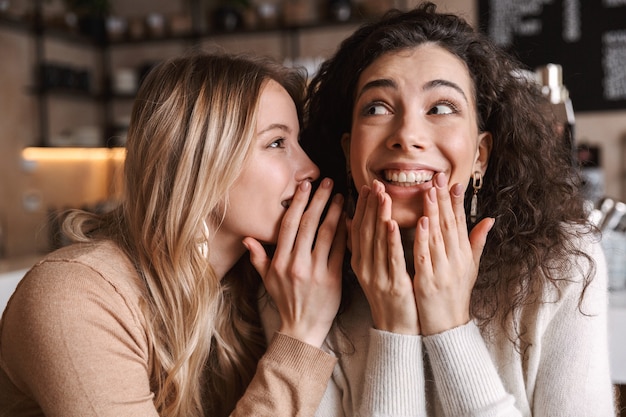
{"x":446,"y":258}
{"x":379,"y":263}
{"x":304,"y":275}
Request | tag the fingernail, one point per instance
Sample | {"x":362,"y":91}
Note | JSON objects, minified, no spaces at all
{"x":305,"y":185}
{"x":432,"y":195}
{"x":423,"y":222}
{"x":457,"y":190}
{"x":338,"y":198}
{"x":440,"y":180}
{"x":365,"y":191}
{"x":327,"y":183}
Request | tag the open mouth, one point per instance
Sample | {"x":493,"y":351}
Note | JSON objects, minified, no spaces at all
{"x":407,"y":178}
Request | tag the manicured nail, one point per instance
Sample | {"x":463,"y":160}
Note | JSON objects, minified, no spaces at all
{"x":441,"y":180}
{"x":305,"y":185}
{"x":423,"y":222}
{"x":327,"y":183}
{"x":457,"y":190}
{"x":432,"y":195}
{"x":338,"y":198}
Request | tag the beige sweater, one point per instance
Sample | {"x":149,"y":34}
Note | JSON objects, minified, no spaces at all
{"x":73,"y":343}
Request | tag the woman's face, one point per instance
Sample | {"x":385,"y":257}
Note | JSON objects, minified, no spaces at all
{"x":415,"y":116}
{"x":277,"y":164}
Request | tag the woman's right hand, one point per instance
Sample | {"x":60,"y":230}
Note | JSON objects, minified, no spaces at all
{"x":304,"y":275}
{"x":379,"y":263}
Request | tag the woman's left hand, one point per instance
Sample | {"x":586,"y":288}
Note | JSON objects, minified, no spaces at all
{"x":446,"y":259}
{"x":304,"y":276}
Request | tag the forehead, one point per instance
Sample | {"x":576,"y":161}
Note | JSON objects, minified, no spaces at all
{"x":419,"y":64}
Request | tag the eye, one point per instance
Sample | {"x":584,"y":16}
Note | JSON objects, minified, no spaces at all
{"x":443,"y":108}
{"x":376,"y":109}
{"x":278,"y":143}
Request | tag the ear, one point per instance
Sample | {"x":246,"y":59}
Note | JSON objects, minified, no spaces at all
{"x":345,"y":145}
{"x":485,"y":143}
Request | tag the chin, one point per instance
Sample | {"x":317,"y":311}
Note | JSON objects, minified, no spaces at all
{"x":406,"y":218}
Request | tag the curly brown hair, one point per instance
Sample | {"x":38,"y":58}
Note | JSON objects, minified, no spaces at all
{"x":530,"y":186}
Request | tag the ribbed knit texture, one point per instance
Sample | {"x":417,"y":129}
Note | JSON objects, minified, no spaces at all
{"x":562,"y":372}
{"x":394,"y":375}
{"x":465,"y":381}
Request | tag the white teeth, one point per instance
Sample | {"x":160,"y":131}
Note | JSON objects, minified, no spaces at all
{"x":408,"y":177}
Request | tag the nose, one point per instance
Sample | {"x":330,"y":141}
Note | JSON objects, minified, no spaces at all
{"x":306,"y":170}
{"x":409,"y":133}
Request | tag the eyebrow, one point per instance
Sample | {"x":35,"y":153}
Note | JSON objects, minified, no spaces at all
{"x":389,"y":83}
{"x":445,"y":83}
{"x":378,"y":83}
{"x":275,"y":126}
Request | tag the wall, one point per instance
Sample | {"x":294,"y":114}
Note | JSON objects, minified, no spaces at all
{"x":26,"y":194}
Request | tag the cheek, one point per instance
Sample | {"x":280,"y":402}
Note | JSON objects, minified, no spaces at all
{"x":461,"y":154}
{"x":359,"y":156}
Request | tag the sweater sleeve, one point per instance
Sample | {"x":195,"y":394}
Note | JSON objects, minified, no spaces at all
{"x":290,"y":380}
{"x":466,"y":378}
{"x":573,"y":376}
{"x":394,"y":376}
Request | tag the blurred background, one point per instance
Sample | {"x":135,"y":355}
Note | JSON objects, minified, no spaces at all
{"x":69,"y":70}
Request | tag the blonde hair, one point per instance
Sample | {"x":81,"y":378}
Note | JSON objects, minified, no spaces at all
{"x":191,"y":130}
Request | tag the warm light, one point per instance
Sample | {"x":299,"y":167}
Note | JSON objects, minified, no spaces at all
{"x":73,"y":154}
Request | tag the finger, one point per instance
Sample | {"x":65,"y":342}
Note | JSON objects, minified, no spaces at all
{"x":421,"y":254}
{"x":380,"y":246}
{"x":478,"y":237}
{"x":328,"y":229}
{"x":258,"y":256}
{"x":291,"y":220}
{"x":447,"y":218}
{"x":357,"y":219}
{"x":310,"y":220}
{"x":436,"y":242}
{"x":367,"y":229}
{"x":457,"y":193}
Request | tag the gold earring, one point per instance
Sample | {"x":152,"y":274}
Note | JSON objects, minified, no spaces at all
{"x":477,"y":184}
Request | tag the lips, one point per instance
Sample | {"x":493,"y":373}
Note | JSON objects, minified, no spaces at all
{"x":407,"y":178}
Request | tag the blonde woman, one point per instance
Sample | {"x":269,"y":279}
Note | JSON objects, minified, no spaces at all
{"x":154,"y":309}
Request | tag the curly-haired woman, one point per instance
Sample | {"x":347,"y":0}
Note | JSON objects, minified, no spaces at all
{"x":483,"y":279}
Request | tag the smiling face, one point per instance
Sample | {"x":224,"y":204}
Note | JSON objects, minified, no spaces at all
{"x":275,"y":167}
{"x":415,"y":116}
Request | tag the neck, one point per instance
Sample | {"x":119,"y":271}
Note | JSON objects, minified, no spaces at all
{"x":225,"y":251}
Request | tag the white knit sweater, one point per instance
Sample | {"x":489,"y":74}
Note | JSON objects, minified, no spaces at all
{"x":563,"y":372}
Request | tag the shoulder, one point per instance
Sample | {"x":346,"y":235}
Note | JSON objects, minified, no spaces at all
{"x":580,"y":275}
{"x":78,"y":277}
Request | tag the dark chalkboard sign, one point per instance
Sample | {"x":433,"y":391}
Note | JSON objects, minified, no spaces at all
{"x":586,"y":37}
